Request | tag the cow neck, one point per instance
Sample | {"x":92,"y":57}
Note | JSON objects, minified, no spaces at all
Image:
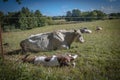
{"x":70,"y":36}
{"x":60,"y":60}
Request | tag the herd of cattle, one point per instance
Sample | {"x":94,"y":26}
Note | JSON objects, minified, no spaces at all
{"x":61,"y":39}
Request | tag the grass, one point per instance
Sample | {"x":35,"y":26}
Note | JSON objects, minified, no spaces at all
{"x":99,"y":56}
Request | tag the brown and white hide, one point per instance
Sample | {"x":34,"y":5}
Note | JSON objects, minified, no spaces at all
{"x":55,"y":60}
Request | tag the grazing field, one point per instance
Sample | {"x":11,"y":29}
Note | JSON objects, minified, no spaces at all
{"x":99,"y":55}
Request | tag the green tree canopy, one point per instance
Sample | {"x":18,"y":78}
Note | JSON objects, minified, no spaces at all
{"x":18,"y":1}
{"x":77,"y":15}
{"x":68,"y":16}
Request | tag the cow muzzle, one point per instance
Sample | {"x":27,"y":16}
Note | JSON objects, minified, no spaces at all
{"x":81,"y":40}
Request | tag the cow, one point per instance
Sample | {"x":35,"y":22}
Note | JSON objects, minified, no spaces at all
{"x":52,"y":61}
{"x":50,"y":41}
{"x":85,"y":30}
{"x":98,"y":28}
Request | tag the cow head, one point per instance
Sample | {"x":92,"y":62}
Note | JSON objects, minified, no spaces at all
{"x":98,"y":28}
{"x":67,"y":60}
{"x":72,"y":58}
{"x":85,"y":30}
{"x":79,"y":37}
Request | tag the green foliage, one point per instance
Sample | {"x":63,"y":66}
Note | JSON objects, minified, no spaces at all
{"x":29,"y":20}
{"x":18,"y":1}
{"x":68,"y":16}
{"x":114,"y":16}
{"x":77,"y":15}
{"x":24,"y":19}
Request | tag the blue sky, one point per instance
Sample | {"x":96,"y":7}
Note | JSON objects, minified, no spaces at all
{"x":60,"y":7}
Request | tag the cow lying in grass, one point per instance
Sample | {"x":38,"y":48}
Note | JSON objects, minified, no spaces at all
{"x":85,"y":30}
{"x":98,"y":28}
{"x":50,"y":41}
{"x":55,"y":60}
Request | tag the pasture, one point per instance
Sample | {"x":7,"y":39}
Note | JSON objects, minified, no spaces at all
{"x":98,"y":57}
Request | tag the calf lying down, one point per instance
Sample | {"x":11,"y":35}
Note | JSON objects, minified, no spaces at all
{"x":55,"y":60}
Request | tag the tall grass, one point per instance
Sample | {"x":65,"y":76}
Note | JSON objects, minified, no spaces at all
{"x":99,"y":56}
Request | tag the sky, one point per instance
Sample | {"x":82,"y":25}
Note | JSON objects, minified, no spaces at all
{"x":60,"y":7}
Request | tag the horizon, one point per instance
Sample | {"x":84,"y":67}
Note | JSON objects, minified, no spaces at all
{"x":59,"y":8}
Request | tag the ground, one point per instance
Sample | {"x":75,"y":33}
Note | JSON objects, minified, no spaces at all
{"x":99,"y":55}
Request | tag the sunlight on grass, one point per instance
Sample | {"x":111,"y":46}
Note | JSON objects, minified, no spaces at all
{"x":99,"y":57}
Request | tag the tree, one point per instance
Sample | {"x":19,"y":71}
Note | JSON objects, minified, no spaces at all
{"x":23,"y":23}
{"x":114,"y":15}
{"x":27,"y":19}
{"x":96,"y":15}
{"x":37,"y":13}
{"x":68,"y":16}
{"x":38,"y":17}
{"x":25,"y":11}
{"x":92,"y":15}
{"x":85,"y":16}
{"x":100,"y":14}
{"x":76,"y":14}
{"x":18,"y":1}
{"x":49,"y":21}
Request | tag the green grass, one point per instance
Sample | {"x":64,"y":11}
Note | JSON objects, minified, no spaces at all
{"x":99,"y":56}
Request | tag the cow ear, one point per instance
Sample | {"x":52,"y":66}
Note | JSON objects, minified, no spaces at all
{"x":75,"y":56}
{"x":75,"y":30}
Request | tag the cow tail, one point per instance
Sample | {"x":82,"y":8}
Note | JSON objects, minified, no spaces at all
{"x":22,"y":45}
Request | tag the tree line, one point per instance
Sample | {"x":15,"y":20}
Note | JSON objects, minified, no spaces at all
{"x":26,"y":19}
{"x":77,"y":15}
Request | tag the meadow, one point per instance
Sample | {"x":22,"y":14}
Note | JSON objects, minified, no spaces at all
{"x":98,"y":57}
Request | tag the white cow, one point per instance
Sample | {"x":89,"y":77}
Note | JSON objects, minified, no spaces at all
{"x":98,"y":28}
{"x":50,"y":41}
{"x":85,"y":30}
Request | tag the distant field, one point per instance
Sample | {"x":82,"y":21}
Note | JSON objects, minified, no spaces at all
{"x":99,"y":56}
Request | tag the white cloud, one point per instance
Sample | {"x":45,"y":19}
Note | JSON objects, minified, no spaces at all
{"x":64,"y":9}
{"x":109,"y":9}
{"x":112,"y":0}
{"x":91,"y":9}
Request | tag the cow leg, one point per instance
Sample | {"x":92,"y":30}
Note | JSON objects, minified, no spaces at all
{"x":73,"y":64}
{"x":23,"y":49}
{"x":68,"y":46}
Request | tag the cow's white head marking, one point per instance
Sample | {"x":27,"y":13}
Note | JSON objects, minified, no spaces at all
{"x":79,"y":37}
